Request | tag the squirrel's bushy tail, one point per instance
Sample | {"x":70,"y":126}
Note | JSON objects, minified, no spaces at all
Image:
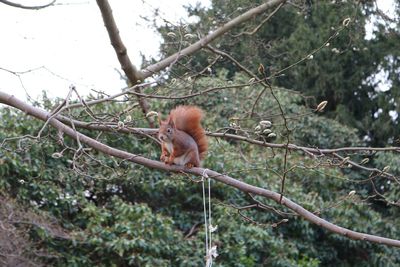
{"x":188,"y":119}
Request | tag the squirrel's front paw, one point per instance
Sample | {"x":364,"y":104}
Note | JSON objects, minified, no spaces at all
{"x":169,"y":160}
{"x":166,"y":159}
{"x":189,"y":165}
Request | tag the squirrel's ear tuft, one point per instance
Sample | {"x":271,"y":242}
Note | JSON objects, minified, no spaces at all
{"x":171,"y":122}
{"x":159,"y":118}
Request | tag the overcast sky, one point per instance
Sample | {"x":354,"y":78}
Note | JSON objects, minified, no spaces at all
{"x":71,"y":43}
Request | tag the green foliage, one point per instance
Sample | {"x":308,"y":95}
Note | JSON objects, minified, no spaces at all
{"x":122,"y":214}
{"x":124,"y":233}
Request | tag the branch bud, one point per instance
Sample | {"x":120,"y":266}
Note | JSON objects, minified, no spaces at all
{"x":321,"y":106}
{"x":261,"y":69}
{"x":345,"y":160}
{"x":346,"y":22}
{"x":265,"y":124}
{"x":386,"y":168}
{"x":128,"y":119}
{"x":189,"y":36}
{"x":171,"y":34}
{"x":267,"y":131}
{"x":352,"y":193}
{"x":56,"y":155}
{"x":151,"y":114}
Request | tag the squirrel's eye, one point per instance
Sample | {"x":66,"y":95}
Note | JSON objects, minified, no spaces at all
{"x":169,"y":130}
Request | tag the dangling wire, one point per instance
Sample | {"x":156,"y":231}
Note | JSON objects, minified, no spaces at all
{"x":209,"y":212}
{"x":211,"y":251}
{"x":205,"y":212}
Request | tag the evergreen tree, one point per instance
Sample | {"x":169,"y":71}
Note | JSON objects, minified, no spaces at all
{"x":343,"y":72}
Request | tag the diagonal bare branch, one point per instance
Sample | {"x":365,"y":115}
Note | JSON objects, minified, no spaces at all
{"x":129,"y":69}
{"x":150,"y":70}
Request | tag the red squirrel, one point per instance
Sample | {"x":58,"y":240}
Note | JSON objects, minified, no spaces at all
{"x":183,"y":139}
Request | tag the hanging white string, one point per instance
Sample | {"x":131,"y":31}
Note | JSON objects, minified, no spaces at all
{"x":209,"y":213}
{"x":211,"y":251}
{"x":205,"y":211}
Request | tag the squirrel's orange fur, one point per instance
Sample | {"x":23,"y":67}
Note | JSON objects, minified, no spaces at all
{"x":183,"y":139}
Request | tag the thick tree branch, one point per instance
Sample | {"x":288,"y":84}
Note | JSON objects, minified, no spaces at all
{"x":311,"y":151}
{"x":314,"y":151}
{"x":129,"y":69}
{"x":122,"y":53}
{"x":43,"y":115}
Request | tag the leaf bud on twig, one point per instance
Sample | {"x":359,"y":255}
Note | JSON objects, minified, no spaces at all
{"x":321,"y":106}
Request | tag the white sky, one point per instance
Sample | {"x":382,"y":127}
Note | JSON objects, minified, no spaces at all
{"x":70,"y":41}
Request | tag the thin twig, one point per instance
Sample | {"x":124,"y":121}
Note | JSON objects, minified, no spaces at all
{"x":9,"y":3}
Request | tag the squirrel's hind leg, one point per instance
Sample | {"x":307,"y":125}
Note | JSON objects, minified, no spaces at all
{"x":194,"y":160}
